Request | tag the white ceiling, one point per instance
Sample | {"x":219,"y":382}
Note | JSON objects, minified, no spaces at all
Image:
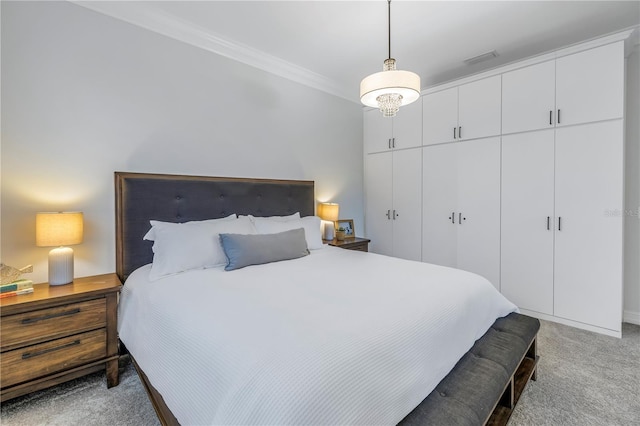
{"x":332,"y":45}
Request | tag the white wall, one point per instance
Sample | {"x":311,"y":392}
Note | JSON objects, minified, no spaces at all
{"x":84,"y":95}
{"x":632,"y":191}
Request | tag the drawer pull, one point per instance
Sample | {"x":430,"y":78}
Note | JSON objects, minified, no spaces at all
{"x":46,"y":317}
{"x":28,"y":355}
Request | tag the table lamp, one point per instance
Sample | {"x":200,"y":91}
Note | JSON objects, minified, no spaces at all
{"x":328,"y":212}
{"x":59,"y":229}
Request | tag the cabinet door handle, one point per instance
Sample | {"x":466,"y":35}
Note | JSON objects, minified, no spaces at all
{"x":460,"y":132}
{"x":393,"y":142}
{"x":548,"y":223}
{"x":453,"y":217}
{"x":459,"y":218}
{"x":28,"y":355}
{"x":558,"y":116}
{"x":395,"y":214}
{"x":388,"y":214}
{"x":559,"y":223}
{"x":454,"y":133}
{"x":389,"y":143}
{"x":550,"y":118}
{"x":46,"y":317}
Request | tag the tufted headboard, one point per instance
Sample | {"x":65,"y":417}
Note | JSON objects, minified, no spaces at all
{"x":141,"y":197}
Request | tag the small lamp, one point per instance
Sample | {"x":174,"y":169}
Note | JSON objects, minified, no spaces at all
{"x":59,"y":229}
{"x":328,"y":212}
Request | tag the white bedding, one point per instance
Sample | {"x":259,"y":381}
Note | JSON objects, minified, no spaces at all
{"x":336,"y":337}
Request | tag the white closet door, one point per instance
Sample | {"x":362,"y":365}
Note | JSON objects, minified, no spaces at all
{"x":407,"y":204}
{"x":377,"y":131}
{"x":527,"y":207}
{"x":479,"y":108}
{"x":440,"y":116}
{"x":478,"y":218}
{"x":528,"y":98}
{"x":590,"y":85}
{"x":439,"y":204}
{"x":588,"y":242}
{"x":378,"y":178}
{"x":407,"y":126}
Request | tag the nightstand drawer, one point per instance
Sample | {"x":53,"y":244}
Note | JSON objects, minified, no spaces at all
{"x":40,"y":360}
{"x":359,"y":247}
{"x":356,"y":243}
{"x":46,"y":324}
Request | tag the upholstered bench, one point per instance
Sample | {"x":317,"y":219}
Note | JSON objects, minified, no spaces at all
{"x":486,"y":383}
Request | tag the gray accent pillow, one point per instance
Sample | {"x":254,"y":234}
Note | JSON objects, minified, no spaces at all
{"x":244,"y":250}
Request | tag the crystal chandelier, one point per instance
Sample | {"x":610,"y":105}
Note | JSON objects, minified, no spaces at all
{"x":391,"y":88}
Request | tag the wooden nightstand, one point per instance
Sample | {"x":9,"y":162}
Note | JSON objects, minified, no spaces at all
{"x":59,"y":333}
{"x":357,"y":243}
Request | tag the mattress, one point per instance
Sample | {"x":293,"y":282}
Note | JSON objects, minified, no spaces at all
{"x":336,"y":337}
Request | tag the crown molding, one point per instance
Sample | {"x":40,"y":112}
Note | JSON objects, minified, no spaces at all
{"x":633,"y":42}
{"x":623,"y":35}
{"x":144,"y":15}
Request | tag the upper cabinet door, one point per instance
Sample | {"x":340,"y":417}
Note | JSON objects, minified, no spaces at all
{"x":528,"y":98}
{"x":479,"y":108}
{"x":377,"y":131}
{"x":407,"y":126}
{"x":440,"y":116}
{"x":590,"y":85}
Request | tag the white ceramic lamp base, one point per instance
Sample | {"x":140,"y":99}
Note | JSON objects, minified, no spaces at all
{"x":61,"y":266}
{"x":329,"y":230}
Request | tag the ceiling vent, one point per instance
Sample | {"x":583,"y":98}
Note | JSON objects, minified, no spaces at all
{"x":481,"y":58}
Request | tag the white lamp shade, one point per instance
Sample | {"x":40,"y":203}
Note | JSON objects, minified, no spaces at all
{"x":405,"y":83}
{"x":59,"y":229}
{"x":328,"y":211}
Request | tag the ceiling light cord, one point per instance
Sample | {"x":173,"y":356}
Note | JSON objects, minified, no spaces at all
{"x":389,"y":26}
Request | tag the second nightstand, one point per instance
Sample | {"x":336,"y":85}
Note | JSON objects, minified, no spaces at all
{"x":357,"y":243}
{"x":59,"y":333}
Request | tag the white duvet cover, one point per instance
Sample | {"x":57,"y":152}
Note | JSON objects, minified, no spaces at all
{"x":334,"y":338}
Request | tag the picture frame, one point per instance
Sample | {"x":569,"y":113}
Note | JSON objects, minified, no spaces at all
{"x":347,"y":224}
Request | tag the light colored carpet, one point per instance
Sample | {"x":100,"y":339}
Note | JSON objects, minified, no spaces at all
{"x":584,"y":379}
{"x":83,"y":402}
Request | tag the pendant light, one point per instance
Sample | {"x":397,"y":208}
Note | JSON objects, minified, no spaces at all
{"x":391,"y":88}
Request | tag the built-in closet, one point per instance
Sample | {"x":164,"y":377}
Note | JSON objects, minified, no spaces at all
{"x":562,"y":181}
{"x":515,"y":174}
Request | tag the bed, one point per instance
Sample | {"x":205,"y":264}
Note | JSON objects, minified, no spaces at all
{"x":332,"y":337}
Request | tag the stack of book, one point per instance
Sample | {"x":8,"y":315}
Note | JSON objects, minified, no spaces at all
{"x":16,"y":288}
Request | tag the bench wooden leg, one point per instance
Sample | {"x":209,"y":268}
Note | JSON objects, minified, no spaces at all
{"x":508,"y":397}
{"x":533,"y":354}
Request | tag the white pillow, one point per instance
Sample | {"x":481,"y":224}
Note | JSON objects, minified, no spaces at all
{"x":310,"y":224}
{"x":151,"y":235}
{"x":294,"y":216}
{"x":193,"y":245}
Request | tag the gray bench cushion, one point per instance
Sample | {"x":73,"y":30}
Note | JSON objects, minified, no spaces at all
{"x":468,"y":394}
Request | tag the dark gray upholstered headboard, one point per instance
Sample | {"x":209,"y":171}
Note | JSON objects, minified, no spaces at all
{"x":142,"y":197}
